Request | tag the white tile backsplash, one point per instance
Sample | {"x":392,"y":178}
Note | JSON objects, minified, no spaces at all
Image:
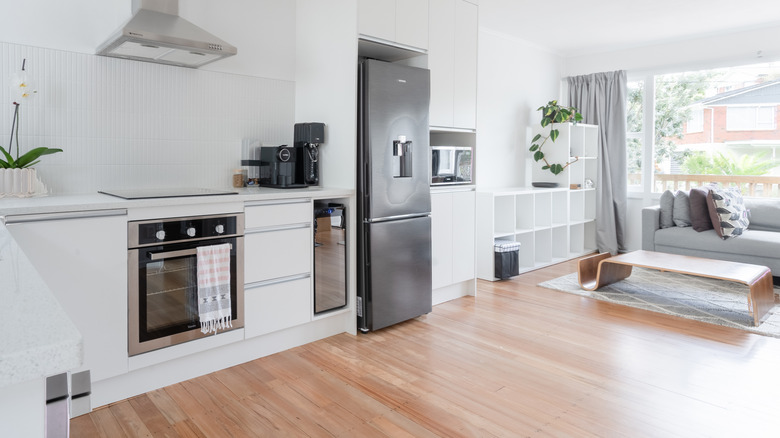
{"x":128,"y":124}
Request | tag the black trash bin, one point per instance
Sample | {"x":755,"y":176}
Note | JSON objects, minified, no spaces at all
{"x":506,"y":254}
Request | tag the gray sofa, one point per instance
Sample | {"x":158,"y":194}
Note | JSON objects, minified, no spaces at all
{"x":759,"y":244}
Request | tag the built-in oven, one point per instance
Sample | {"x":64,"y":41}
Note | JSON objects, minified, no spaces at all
{"x":451,"y":165}
{"x":163,"y":277}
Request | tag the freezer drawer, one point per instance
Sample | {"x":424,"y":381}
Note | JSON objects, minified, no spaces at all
{"x":397,"y":274}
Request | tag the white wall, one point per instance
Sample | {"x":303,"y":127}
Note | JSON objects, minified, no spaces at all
{"x":127,"y":123}
{"x":325,"y":82}
{"x":262,"y":30}
{"x":514,"y":79}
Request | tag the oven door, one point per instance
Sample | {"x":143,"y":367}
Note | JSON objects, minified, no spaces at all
{"x":163,"y":293}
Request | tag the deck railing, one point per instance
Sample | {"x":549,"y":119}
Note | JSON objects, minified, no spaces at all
{"x":749,"y":185}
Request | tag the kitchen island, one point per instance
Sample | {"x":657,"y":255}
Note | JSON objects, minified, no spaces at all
{"x":39,"y":340}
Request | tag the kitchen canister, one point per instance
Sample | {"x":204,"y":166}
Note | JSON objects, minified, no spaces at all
{"x":239,"y":177}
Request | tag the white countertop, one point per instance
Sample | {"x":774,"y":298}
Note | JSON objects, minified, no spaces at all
{"x":38,"y":338}
{"x":99,"y":201}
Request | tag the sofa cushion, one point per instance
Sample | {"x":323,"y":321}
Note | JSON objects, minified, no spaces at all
{"x":700,"y":214}
{"x":765,"y":244}
{"x":681,"y":213}
{"x":727,"y":210}
{"x":667,"y":204}
{"x":764,"y":213}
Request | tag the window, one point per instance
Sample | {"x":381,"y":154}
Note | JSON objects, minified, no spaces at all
{"x":695,"y":122}
{"x":634,"y":152}
{"x":750,"y":118}
{"x":687,"y":129}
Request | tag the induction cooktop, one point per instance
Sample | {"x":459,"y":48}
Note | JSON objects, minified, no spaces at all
{"x":175,"y":192}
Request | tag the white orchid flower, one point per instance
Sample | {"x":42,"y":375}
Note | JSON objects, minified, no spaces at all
{"x":21,"y":88}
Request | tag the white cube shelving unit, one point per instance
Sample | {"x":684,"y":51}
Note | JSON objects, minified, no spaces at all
{"x":551,"y":224}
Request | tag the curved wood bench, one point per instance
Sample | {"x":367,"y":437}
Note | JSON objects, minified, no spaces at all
{"x":603,"y":269}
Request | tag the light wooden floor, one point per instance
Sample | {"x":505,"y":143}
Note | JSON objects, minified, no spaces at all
{"x":515,"y":361}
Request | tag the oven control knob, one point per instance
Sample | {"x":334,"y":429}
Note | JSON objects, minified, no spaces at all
{"x":160,"y":235}
{"x":219,"y":229}
{"x":191,"y":231}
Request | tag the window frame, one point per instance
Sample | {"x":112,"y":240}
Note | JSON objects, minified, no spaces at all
{"x":645,"y":192}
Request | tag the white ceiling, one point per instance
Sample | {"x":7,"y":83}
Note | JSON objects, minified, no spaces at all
{"x":571,"y":28}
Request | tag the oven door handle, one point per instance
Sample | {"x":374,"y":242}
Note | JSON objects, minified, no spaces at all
{"x":172,"y":254}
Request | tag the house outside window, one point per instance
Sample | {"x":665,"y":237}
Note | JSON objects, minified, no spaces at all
{"x":718,"y":125}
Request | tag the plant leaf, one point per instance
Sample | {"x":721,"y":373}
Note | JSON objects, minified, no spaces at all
{"x":534,"y":147}
{"x":554,"y":134}
{"x":545,"y":122}
{"x":536,"y":138}
{"x":545,"y":167}
{"x":578,"y":117}
{"x":8,"y":157}
{"x":538,"y":155}
{"x":27,"y":159}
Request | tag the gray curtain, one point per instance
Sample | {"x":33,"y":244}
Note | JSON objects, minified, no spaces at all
{"x":601,"y":98}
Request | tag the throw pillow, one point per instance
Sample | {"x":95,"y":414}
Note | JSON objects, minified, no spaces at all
{"x":667,"y":204}
{"x":727,"y":211}
{"x":700,"y":214}
{"x":681,"y":213}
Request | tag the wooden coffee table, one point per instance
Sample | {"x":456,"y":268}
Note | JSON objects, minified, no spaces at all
{"x":603,"y":269}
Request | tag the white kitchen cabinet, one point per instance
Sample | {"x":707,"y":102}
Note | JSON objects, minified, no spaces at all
{"x":276,"y":306}
{"x":452,"y":237}
{"x":278,"y":246}
{"x":82,"y":257}
{"x":441,"y":239}
{"x":403,"y":22}
{"x":452,"y":59}
{"x":277,"y":253}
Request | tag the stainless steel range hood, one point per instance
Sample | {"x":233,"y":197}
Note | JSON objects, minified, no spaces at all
{"x":156,"y":33}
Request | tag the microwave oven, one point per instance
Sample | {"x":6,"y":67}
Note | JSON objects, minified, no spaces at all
{"x":451,"y":165}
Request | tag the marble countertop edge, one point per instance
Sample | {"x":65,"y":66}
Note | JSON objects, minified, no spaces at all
{"x":38,"y":339}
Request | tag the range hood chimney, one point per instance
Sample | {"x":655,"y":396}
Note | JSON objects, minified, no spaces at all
{"x":156,"y":33}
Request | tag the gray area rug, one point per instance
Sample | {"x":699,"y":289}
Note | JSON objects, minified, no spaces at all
{"x":703,"y":299}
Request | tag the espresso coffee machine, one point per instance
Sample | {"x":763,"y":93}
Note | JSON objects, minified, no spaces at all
{"x":291,"y":167}
{"x":308,"y":137}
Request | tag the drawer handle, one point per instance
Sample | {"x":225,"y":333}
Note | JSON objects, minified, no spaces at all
{"x":277,"y":228}
{"x":276,"y":281}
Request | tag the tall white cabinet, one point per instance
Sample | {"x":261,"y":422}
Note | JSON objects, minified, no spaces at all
{"x":452,"y":59}
{"x":551,"y":224}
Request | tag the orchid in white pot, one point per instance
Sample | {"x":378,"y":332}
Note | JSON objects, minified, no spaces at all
{"x":17,"y":177}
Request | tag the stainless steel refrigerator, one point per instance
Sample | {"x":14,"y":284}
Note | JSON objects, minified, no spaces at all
{"x":394,"y":201}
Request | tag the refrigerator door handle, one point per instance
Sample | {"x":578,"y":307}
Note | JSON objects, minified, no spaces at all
{"x":395,"y":218}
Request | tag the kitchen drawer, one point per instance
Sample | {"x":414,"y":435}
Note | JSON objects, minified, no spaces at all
{"x":274,"y":254}
{"x":277,"y":306}
{"x":274,"y":215}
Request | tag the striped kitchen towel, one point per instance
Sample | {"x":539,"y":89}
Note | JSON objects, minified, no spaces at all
{"x":214,"y":287}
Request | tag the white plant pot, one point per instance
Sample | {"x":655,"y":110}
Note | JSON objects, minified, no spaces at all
{"x":20,"y":183}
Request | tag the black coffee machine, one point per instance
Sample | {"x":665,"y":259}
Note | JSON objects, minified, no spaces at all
{"x":292,"y":167}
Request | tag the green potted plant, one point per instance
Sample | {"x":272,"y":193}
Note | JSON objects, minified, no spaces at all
{"x":553,"y":113}
{"x":17,"y":177}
